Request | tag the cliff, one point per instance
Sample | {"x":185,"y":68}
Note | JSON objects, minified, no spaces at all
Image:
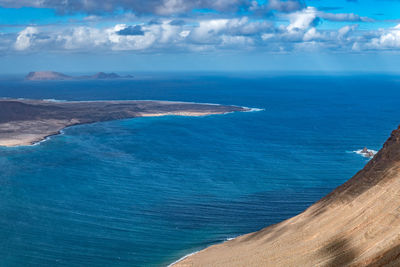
{"x":358,"y":224}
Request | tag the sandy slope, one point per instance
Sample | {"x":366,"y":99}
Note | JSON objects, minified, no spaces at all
{"x":358,"y":224}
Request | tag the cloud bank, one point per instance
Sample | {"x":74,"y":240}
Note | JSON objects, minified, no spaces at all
{"x":159,"y":7}
{"x":170,"y":26}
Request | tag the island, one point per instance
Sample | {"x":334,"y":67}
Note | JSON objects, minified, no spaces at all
{"x":358,"y":224}
{"x":57,"y":76}
{"x":26,"y":122}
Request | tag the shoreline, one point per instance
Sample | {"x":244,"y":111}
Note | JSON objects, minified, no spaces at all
{"x":53,"y":100}
{"x":195,"y":252}
{"x":31,"y":132}
{"x":29,"y":143}
{"x":183,"y":258}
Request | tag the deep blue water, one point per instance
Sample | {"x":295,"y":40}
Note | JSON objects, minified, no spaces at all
{"x":147,"y":191}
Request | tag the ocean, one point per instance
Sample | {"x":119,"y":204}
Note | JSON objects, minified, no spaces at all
{"x":147,"y":191}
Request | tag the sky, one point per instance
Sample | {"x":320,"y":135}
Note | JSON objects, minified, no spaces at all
{"x":199,"y":35}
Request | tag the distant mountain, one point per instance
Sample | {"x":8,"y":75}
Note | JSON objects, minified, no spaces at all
{"x":105,"y":76}
{"x":47,"y":76}
{"x":56,"y":76}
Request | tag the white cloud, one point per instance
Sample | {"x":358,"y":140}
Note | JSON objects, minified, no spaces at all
{"x":83,"y":37}
{"x":299,"y":30}
{"x":343,"y":17}
{"x":25,"y":38}
{"x":184,"y":33}
{"x":211,"y":34}
{"x":384,"y":39}
{"x":267,"y":36}
{"x":160,"y":7}
{"x":211,"y":31}
{"x":312,"y":34}
{"x":284,"y":6}
{"x":301,"y":20}
{"x":345,"y":31}
{"x":389,"y":39}
{"x":172,"y":6}
{"x":208,"y":29}
{"x":242,"y":41}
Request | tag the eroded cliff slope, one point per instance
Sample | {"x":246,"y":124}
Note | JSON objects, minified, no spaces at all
{"x":358,"y":224}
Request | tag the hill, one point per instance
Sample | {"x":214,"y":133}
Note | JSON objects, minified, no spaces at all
{"x":47,"y":76}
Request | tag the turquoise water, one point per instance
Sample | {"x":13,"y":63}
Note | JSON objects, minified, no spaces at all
{"x":147,"y":191}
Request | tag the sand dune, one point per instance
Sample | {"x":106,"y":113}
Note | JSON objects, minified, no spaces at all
{"x":358,"y":224}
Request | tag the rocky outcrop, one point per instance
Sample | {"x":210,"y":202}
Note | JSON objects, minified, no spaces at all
{"x":358,"y":224}
{"x":368,"y":153}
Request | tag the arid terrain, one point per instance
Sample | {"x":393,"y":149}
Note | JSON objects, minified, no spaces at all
{"x":25,"y":122}
{"x":358,"y":224}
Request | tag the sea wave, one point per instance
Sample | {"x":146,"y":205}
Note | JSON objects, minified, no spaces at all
{"x":41,"y":141}
{"x":47,"y":138}
{"x":253,"y":109}
{"x":256,"y":109}
{"x":54,"y":100}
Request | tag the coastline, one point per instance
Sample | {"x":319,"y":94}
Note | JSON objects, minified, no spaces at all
{"x":195,"y":252}
{"x":37,"y":141}
{"x":33,"y":131}
{"x":183,"y":258}
{"x":40,"y":138}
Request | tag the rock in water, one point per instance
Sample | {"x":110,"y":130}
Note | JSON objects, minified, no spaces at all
{"x":365,"y":152}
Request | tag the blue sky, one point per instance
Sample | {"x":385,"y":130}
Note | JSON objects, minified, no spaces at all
{"x":223,"y":35}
